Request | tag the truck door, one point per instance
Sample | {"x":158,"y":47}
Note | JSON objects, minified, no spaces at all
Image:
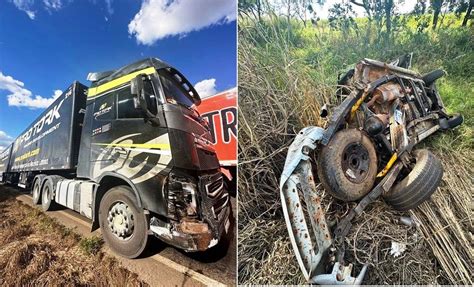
{"x":124,"y":142}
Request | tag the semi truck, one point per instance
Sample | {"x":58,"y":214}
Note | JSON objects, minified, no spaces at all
{"x":132,"y":154}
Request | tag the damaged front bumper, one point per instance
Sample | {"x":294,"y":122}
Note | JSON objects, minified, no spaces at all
{"x":200,"y":210}
{"x":191,"y":235}
{"x":301,"y":203}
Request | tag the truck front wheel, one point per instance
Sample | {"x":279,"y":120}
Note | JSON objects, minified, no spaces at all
{"x":123,"y":224}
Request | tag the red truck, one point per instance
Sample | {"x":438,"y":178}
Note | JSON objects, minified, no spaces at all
{"x":220,"y":110}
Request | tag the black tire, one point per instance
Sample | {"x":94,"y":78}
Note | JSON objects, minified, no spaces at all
{"x":47,"y":195}
{"x":432,"y":76}
{"x":347,"y":166}
{"x":135,"y":243}
{"x":455,"y":120}
{"x":419,"y":184}
{"x":36,"y":192}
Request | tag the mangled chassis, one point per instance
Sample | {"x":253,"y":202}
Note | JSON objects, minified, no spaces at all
{"x":297,"y":187}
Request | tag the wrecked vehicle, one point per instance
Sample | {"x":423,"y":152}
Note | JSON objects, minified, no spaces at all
{"x":131,"y":153}
{"x":366,"y":151}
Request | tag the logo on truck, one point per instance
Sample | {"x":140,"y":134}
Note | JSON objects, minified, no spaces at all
{"x":46,"y":120}
{"x":136,"y":161}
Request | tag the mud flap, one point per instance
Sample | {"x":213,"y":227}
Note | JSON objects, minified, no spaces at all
{"x":298,"y":192}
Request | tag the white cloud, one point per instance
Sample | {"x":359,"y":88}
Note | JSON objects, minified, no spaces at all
{"x":26,"y":6}
{"x":5,"y":140}
{"x":21,"y":97}
{"x":53,"y":4}
{"x":206,"y":88}
{"x":158,"y":19}
{"x":108,"y":4}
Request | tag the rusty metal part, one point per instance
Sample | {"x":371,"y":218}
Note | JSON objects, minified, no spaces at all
{"x":302,"y":203}
{"x":355,"y":162}
{"x":194,"y":227}
{"x":384,"y":185}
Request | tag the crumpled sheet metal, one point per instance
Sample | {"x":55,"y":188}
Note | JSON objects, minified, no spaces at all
{"x":297,"y":176}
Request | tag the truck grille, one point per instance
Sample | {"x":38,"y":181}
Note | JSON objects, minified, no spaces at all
{"x":217,"y":197}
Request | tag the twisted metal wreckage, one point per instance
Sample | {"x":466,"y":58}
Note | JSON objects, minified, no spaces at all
{"x":386,"y":110}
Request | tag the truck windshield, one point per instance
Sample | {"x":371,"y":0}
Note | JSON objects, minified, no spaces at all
{"x":174,"y":93}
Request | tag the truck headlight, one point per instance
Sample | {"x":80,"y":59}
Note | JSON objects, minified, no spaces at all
{"x":182,"y":196}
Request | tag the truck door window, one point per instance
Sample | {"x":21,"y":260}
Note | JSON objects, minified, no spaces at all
{"x":126,"y":106}
{"x":104,"y":108}
{"x":173,"y":91}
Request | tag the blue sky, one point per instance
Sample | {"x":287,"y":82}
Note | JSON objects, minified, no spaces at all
{"x":47,"y":44}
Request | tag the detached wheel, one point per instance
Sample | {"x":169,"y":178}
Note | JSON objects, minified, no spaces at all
{"x":47,"y":194}
{"x":124,"y":225}
{"x":36,"y":193}
{"x":347,"y":166}
{"x":419,"y":184}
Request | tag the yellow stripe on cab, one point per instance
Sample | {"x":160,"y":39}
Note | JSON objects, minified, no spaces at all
{"x":92,"y":92}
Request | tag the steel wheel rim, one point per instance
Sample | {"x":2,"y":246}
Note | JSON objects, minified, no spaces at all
{"x":355,"y":162}
{"x":120,"y":220}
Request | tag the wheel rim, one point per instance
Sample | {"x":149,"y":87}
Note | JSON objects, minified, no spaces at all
{"x":355,"y":162}
{"x":120,"y":220}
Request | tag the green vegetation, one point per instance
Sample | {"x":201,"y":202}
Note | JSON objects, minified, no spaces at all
{"x":91,"y":245}
{"x":287,"y":70}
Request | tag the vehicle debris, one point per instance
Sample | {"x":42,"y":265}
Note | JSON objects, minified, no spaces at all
{"x":407,"y":220}
{"x":397,"y":248}
{"x":366,"y":151}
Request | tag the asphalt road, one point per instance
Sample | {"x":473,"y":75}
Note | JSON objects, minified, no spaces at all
{"x":163,"y":264}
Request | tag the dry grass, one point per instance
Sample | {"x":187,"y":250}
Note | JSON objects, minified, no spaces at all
{"x":36,"y":250}
{"x":277,"y":98}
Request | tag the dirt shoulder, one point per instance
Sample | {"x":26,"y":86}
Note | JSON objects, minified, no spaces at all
{"x":35,"y":249}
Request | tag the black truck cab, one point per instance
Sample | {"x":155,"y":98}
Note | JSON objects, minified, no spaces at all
{"x":141,"y":126}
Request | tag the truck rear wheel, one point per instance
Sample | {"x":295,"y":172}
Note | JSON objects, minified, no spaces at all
{"x":36,"y":194}
{"x":124,"y":225}
{"x":47,"y":194}
{"x":347,"y":165}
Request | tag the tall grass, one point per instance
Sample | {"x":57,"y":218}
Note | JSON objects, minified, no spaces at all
{"x":286,"y":73}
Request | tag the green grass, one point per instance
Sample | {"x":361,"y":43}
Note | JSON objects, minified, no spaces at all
{"x":91,"y":245}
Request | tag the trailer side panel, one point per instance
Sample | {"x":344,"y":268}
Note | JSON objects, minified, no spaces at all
{"x":51,"y":142}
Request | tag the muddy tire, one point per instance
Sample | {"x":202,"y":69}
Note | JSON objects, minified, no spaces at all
{"x":47,"y":195}
{"x":123,"y":224}
{"x":36,"y":192}
{"x":419,"y":184}
{"x":347,"y":165}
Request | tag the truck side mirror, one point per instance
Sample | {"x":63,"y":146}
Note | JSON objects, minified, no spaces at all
{"x":136,"y":85}
{"x":137,"y":89}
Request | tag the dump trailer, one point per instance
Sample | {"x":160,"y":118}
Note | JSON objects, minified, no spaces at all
{"x":132,"y":154}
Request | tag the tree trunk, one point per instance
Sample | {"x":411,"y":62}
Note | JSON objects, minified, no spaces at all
{"x":437,"y":5}
{"x":435,"y":18}
{"x":468,"y":13}
{"x":388,"y":16}
{"x":259,"y":10}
